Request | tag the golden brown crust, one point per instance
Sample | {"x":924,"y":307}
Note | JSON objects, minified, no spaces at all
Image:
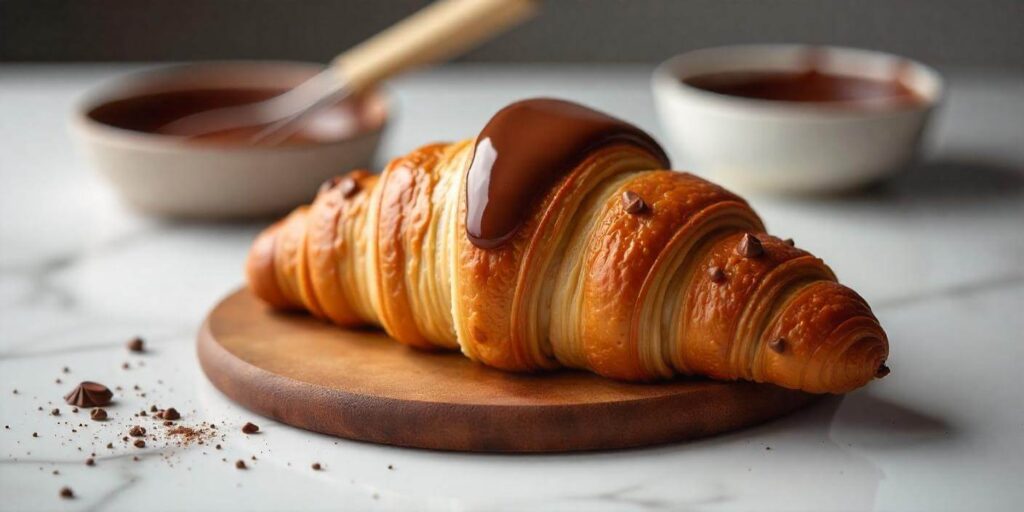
{"x":632,"y":273}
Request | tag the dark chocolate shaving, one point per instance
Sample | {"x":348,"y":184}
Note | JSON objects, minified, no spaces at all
{"x":882,"y":371}
{"x":716,"y":274}
{"x":89,"y":394}
{"x":136,"y":344}
{"x":749,"y":246}
{"x":633,"y":203}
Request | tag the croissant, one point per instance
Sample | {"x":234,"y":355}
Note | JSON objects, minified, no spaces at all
{"x":554,"y":239}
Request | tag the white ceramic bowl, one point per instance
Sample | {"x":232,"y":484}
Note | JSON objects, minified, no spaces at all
{"x":163,"y":175}
{"x":790,"y":147}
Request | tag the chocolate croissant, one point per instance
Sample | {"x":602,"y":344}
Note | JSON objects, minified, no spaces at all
{"x":554,"y":240}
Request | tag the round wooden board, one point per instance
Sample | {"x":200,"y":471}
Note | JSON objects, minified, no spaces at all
{"x":362,"y":385}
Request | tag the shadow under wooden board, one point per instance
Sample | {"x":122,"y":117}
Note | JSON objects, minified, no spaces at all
{"x":359,"y":384}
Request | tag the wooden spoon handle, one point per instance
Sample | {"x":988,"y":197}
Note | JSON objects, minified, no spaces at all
{"x":437,"y":32}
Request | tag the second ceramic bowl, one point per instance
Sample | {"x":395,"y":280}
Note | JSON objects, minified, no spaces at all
{"x":791,"y":147}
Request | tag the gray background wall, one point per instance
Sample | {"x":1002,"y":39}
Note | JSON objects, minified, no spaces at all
{"x":944,"y":32}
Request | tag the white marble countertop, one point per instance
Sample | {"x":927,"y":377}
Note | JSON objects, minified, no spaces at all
{"x":939,"y":253}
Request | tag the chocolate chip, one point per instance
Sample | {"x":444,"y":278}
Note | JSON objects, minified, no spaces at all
{"x":55,"y":412}
{"x":98,"y":414}
{"x":882,"y":371}
{"x":749,"y":246}
{"x":326,"y":186}
{"x":633,"y":203}
{"x":240,"y":464}
{"x":67,"y":493}
{"x":316,"y":466}
{"x":136,"y":344}
{"x":89,"y":394}
{"x":716,"y":274}
{"x":250,"y":428}
{"x":171,"y":414}
{"x":789,"y":242}
{"x":778,"y":345}
{"x":90,"y":461}
{"x":348,"y":187}
{"x":137,"y":431}
{"x":139,"y":443}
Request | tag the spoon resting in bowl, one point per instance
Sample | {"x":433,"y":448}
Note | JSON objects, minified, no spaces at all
{"x":440,"y":31}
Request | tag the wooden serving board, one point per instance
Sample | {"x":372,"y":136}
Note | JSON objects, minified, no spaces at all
{"x":362,"y":385}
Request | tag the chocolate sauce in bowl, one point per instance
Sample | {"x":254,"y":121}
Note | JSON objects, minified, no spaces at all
{"x":524,"y":150}
{"x":150,"y":112}
{"x":810,"y":86}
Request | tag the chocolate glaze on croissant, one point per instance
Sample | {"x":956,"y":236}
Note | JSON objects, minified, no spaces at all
{"x":552,"y":240}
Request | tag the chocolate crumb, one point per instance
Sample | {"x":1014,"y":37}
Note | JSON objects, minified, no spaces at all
{"x":153,"y":408}
{"x":250,"y":428}
{"x":98,"y":414}
{"x":66,"y":369}
{"x":789,"y":242}
{"x":143,"y":413}
{"x":217,"y":447}
{"x":716,"y":274}
{"x":67,"y":493}
{"x":171,"y":414}
{"x":391,"y":466}
{"x":882,"y":371}
{"x":110,"y":446}
{"x":89,"y":394}
{"x":137,"y":431}
{"x":240,"y":464}
{"x":633,"y":203}
{"x":316,"y":466}
{"x":136,"y":345}
{"x":58,"y":381}
{"x":90,"y":461}
{"x":74,"y":409}
{"x":348,"y":187}
{"x":125,"y":365}
{"x":56,"y":472}
{"x":778,"y":345}
{"x":168,"y":423}
{"x":55,"y":412}
{"x":135,"y":458}
{"x":749,"y":246}
{"x":139,"y":443}
{"x":35,"y":434}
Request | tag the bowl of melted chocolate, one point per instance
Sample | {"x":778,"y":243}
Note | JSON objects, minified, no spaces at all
{"x":794,"y":118}
{"x":121,"y":125}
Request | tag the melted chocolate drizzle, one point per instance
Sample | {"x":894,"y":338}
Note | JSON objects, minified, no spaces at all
{"x":524,"y":150}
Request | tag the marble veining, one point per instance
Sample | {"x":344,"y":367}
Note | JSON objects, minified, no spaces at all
{"x":938,"y":252}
